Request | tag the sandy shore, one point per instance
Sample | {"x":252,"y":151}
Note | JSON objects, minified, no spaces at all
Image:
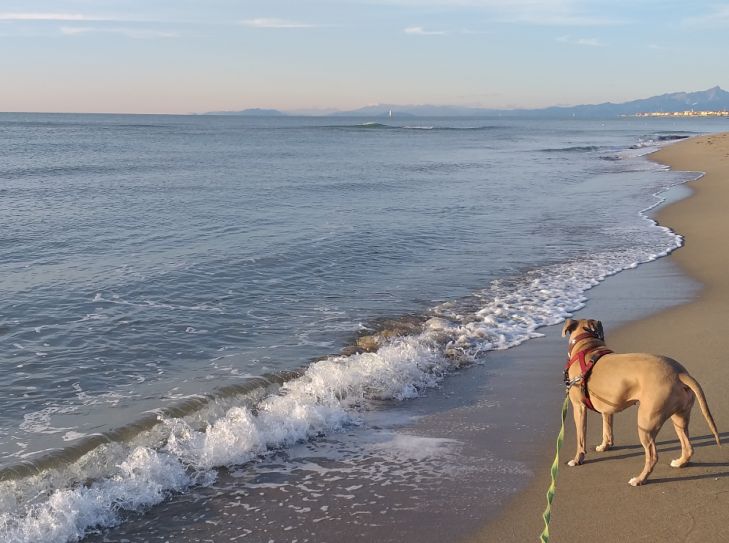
{"x":594,"y":502}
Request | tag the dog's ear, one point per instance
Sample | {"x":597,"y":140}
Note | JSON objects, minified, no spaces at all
{"x":569,"y":327}
{"x":595,"y":327}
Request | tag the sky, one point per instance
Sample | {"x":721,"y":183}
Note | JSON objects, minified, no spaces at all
{"x":185,"y":56}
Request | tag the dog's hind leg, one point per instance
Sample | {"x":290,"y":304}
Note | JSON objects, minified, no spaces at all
{"x":649,"y":423}
{"x":607,"y":433}
{"x":681,"y":424}
{"x":648,"y":440}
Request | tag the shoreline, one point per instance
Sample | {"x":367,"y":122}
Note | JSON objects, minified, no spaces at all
{"x":686,"y":504}
{"x":481,"y":427}
{"x":439,"y":466}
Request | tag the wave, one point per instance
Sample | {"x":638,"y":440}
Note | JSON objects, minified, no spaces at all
{"x":59,"y":121}
{"x":472,"y":128}
{"x":672,"y":132}
{"x":68,"y":170}
{"x":671,"y":137}
{"x":653,"y":140}
{"x":574,"y":149}
{"x":371,"y":126}
{"x":383,"y":126}
{"x":146,"y":304}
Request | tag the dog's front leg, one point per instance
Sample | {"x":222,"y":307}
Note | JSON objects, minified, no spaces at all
{"x":579,"y":411}
{"x":607,"y":433}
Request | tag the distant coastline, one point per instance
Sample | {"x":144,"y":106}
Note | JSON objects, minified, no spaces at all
{"x":713,"y":102}
{"x":690,"y":113}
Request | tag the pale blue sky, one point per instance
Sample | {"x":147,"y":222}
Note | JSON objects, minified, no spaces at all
{"x":179,"y":56}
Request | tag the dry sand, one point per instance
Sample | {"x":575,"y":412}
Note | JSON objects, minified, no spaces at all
{"x":594,"y":502}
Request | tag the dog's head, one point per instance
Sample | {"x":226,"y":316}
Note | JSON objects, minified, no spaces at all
{"x":583,"y":326}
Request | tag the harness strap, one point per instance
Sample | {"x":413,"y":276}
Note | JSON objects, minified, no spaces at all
{"x":586,"y":366}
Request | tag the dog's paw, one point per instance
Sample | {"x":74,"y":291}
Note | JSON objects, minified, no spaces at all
{"x":572,"y":463}
{"x":603,"y":447}
{"x":677,"y":463}
{"x":635,"y":481}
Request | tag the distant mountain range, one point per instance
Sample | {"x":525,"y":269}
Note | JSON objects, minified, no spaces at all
{"x":713,"y":99}
{"x":254,"y":112}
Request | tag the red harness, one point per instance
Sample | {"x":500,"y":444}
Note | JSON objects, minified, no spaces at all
{"x":586,"y":365}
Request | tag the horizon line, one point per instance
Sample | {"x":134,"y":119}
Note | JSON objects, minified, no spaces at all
{"x":302,"y":112}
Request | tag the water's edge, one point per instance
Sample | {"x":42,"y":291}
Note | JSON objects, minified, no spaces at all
{"x":173,"y":450}
{"x":622,"y":300}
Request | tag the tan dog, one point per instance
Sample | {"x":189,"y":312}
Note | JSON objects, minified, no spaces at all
{"x":661,"y":387}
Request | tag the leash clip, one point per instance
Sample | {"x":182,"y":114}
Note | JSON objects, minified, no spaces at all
{"x":569,"y":383}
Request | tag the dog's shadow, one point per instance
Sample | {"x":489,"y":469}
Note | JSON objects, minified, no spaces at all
{"x":668,"y":446}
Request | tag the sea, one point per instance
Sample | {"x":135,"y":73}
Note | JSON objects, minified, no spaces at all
{"x":194,"y":308}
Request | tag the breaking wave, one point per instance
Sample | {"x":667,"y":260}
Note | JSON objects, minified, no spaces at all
{"x":574,"y":149}
{"x":654,"y":140}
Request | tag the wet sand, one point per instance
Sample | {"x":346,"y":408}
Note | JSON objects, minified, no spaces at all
{"x":594,"y":501}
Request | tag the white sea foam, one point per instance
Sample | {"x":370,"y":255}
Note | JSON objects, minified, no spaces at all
{"x":40,"y":421}
{"x":330,"y":395}
{"x":144,"y":478}
{"x":325,"y":399}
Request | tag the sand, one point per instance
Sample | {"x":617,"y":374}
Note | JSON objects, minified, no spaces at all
{"x":594,"y":502}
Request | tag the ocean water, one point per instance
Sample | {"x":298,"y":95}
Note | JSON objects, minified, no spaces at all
{"x":183,"y":296}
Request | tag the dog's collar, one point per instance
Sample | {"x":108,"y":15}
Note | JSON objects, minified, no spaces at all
{"x":589,"y":334}
{"x":586,"y":335}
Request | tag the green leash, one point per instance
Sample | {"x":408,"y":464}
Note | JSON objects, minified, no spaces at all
{"x":547,"y":515}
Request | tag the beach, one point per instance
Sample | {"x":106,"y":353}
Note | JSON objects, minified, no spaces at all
{"x":290,"y":358}
{"x":594,"y":501}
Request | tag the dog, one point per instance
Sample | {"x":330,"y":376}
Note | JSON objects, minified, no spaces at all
{"x":660,"y":386}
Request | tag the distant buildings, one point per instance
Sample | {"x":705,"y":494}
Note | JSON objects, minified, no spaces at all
{"x":691,"y":113}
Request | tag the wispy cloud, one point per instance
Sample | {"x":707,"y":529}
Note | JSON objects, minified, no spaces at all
{"x":58,"y":17}
{"x":719,"y":17}
{"x":134,"y":33}
{"x":420,"y":31}
{"x":564,"y":19}
{"x":588,"y":42}
{"x":265,"y":22}
{"x":532,"y":12}
{"x":545,"y":4}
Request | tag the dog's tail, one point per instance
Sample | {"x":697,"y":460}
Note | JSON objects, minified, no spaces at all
{"x":694,"y":385}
